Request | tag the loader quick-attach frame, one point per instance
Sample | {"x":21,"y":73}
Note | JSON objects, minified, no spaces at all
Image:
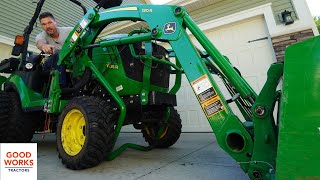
{"x":253,"y":143}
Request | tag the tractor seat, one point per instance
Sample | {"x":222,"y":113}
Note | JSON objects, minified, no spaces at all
{"x":9,"y":65}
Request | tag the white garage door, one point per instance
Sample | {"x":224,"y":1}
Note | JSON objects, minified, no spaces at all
{"x":248,"y":48}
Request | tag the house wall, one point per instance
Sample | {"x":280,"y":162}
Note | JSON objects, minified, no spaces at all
{"x":5,"y":51}
{"x":6,"y":45}
{"x":278,"y":6}
{"x":203,"y":11}
{"x":14,"y":18}
{"x":280,"y":43}
{"x":280,"y":34}
{"x":228,"y":7}
{"x":133,"y":2}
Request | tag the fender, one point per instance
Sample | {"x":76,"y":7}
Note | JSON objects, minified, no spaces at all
{"x":30,"y":100}
{"x":2,"y":81}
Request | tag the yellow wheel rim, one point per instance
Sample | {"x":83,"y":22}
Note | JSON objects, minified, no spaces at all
{"x":151,"y":132}
{"x":73,"y":132}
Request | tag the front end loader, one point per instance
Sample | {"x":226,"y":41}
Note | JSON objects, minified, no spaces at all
{"x":124,"y":80}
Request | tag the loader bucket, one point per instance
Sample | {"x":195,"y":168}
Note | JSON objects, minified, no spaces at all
{"x":298,"y":154}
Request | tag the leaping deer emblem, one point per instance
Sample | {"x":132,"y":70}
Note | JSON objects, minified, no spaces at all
{"x":170,"y":28}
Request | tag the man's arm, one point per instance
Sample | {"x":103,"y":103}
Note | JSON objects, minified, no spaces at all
{"x":42,"y":45}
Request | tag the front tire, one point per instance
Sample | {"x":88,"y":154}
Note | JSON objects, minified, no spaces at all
{"x":85,"y":132}
{"x":171,"y":134}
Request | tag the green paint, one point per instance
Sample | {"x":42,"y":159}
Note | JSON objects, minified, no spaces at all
{"x":28,"y":97}
{"x":298,"y":142}
{"x":146,"y":74}
{"x":265,"y":131}
{"x":118,"y":151}
{"x":255,"y":144}
{"x":2,"y":80}
{"x":54,"y":95}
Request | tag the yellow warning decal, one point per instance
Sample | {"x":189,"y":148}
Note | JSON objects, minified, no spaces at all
{"x":74,"y":37}
{"x":212,"y":106}
{"x":207,"y":96}
{"x":203,"y":89}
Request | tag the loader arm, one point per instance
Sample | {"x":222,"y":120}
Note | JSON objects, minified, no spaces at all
{"x":255,"y":150}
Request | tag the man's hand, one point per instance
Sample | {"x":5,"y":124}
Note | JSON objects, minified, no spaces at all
{"x":47,"y":48}
{"x":44,"y":47}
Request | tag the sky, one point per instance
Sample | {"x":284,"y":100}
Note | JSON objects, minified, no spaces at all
{"x":314,"y":5}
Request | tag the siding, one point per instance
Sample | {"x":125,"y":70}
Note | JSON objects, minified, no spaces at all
{"x":210,"y":10}
{"x":133,"y":2}
{"x":13,"y":18}
{"x":279,"y":6}
{"x":5,"y":51}
{"x":15,"y":15}
{"x":228,"y":7}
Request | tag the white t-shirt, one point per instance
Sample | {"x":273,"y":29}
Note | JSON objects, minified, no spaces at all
{"x":63,"y":34}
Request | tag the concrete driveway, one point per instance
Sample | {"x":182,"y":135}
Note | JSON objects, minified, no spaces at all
{"x":194,"y":156}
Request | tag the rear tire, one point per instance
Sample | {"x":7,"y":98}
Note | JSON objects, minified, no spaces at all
{"x":85,"y":132}
{"x":171,"y":133}
{"x":4,"y":113}
{"x":16,"y":126}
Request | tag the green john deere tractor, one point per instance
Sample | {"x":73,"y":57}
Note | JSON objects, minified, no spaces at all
{"x":124,"y":80}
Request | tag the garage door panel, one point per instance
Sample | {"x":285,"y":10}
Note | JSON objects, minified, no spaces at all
{"x":263,"y":43}
{"x":262,"y":81}
{"x":242,"y":48}
{"x":246,"y":63}
{"x":233,"y":58}
{"x":253,"y":81}
{"x":225,"y":40}
{"x":186,"y":97}
{"x":195,"y":118}
{"x":262,"y":57}
{"x":250,"y":30}
{"x":252,"y":59}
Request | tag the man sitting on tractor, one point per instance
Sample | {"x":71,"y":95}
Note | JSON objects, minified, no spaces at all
{"x":51,"y":40}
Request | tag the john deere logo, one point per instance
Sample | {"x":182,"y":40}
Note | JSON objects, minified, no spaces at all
{"x":170,"y":28}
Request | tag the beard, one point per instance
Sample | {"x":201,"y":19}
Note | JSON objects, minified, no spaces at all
{"x":50,"y":31}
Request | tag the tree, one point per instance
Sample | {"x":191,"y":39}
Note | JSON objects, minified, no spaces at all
{"x":317,"y":21}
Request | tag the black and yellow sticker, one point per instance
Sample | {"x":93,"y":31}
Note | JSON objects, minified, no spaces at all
{"x":212,"y":107}
{"x":207,"y":96}
{"x":78,"y":31}
{"x":203,"y":89}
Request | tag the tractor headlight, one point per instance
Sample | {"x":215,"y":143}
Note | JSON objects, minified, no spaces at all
{"x":29,"y":66}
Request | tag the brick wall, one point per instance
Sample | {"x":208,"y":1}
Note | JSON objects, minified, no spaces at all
{"x":280,"y":43}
